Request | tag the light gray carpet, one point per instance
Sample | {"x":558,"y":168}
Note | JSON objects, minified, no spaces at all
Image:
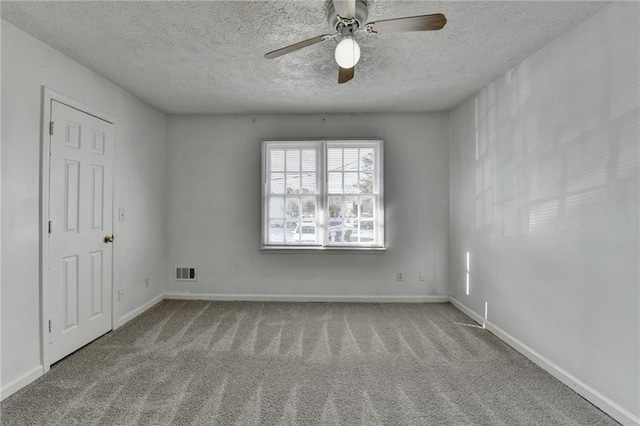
{"x":205,"y":363}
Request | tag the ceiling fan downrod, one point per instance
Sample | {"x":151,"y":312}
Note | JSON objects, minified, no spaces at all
{"x":358,"y":21}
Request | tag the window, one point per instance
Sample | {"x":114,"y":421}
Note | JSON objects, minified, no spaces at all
{"x":322,"y":194}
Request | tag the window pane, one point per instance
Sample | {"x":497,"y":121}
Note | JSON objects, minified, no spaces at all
{"x":351,"y":207}
{"x":293,"y":160}
{"x":334,"y":230}
{"x":308,"y":183}
{"x":277,"y":160}
{"x":293,"y":183}
{"x":367,"y":207}
{"x":366,"y":233}
{"x":309,"y":233}
{"x":366,"y":224}
{"x":292,"y":209}
{"x":351,"y":183}
{"x":349,"y":234}
{"x":366,"y":183}
{"x":309,"y":160}
{"x":276,"y":231}
{"x":276,"y":208}
{"x":366,"y":159}
{"x":304,"y":233}
{"x":308,"y":208}
{"x":335,"y":183}
{"x":334,"y":159}
{"x":291,"y":231}
{"x":290,"y":224}
{"x":276,"y":183}
{"x":335,"y":207}
{"x":351,"y":159}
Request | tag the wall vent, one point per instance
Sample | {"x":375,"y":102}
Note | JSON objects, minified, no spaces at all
{"x":186,"y":274}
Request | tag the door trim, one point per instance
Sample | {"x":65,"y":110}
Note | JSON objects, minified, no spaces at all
{"x":49,"y":95}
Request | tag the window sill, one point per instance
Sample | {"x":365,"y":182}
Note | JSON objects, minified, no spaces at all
{"x":320,"y":249}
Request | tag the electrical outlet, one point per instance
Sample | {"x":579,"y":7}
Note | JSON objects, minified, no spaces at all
{"x":422,"y":276}
{"x":120,"y":294}
{"x":399,"y":276}
{"x":146,"y":281}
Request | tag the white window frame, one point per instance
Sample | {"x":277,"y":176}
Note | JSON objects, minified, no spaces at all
{"x":322,"y":214}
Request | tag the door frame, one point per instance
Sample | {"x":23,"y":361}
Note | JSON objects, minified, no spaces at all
{"x":49,"y":95}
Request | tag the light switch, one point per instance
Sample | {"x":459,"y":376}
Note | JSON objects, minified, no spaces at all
{"x":121,"y":215}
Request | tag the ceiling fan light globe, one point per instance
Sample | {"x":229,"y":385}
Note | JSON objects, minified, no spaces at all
{"x":347,"y":53}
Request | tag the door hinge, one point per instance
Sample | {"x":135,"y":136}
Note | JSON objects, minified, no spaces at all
{"x":50,"y":226}
{"x":51,"y":128}
{"x":49,"y":326}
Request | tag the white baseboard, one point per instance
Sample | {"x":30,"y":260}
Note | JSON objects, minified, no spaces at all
{"x":305,"y":298}
{"x":587,"y":392}
{"x":468,"y":312}
{"x":21,"y":382}
{"x":137,"y":311}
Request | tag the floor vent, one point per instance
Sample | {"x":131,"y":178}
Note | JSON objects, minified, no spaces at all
{"x":185,"y":274}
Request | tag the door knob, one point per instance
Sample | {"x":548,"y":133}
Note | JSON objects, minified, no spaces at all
{"x":109,"y":239}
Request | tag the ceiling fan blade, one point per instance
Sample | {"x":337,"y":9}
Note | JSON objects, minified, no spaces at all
{"x":345,"y":8}
{"x":298,"y":46}
{"x":414,"y":23}
{"x":345,"y":74}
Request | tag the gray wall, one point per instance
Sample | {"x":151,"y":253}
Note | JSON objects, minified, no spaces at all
{"x":213,"y":214}
{"x":544,"y":196}
{"x":28,"y":64}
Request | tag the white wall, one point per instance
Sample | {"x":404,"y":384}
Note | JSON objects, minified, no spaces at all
{"x":28,"y":64}
{"x":545,"y":195}
{"x":213,"y":214}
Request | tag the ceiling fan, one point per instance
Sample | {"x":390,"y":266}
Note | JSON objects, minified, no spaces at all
{"x":350,"y":16}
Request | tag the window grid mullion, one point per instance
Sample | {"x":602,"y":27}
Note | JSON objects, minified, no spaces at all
{"x":321,"y":173}
{"x":326,"y":195}
{"x":343,"y":208}
{"x":342,"y":169}
{"x":300,"y":194}
{"x":284,"y":236}
{"x":358,"y":197}
{"x":359,"y":205}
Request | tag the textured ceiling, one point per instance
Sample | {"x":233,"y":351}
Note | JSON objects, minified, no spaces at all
{"x":207,"y":57}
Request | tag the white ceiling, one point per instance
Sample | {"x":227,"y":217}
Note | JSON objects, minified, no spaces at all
{"x":207,"y":57}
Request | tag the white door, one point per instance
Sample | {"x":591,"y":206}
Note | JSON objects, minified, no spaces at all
{"x":80,"y":211}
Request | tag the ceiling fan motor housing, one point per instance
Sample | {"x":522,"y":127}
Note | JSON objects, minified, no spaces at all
{"x":360,"y":17}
